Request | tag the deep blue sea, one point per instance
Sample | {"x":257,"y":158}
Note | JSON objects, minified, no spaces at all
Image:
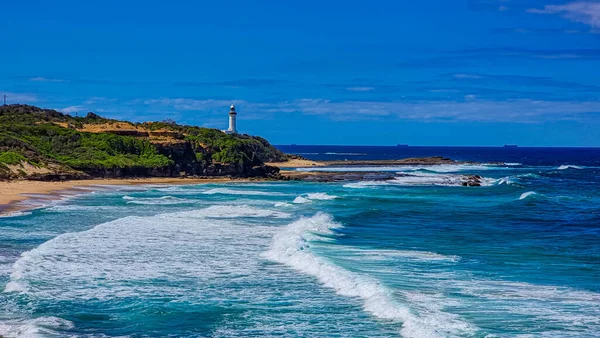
{"x":415,"y":256}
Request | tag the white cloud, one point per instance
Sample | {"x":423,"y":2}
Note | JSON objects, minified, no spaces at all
{"x":467,"y":76}
{"x":445,"y":90}
{"x":471,"y":109}
{"x":586,"y":12}
{"x":360,"y":89}
{"x":17,"y":97}
{"x":99,"y":99}
{"x":44,"y":79}
{"x":72,"y":109}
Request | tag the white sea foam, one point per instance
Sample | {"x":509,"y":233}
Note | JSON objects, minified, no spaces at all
{"x":164,"y":200}
{"x":527,"y":194}
{"x":78,"y":208}
{"x":16,"y":214}
{"x":569,"y":166}
{"x":37,"y":327}
{"x":425,"y":179}
{"x":572,"y":312}
{"x":119,"y":187}
{"x":282,"y":204}
{"x":425,"y":256}
{"x":189,"y":258}
{"x":292,"y":246}
{"x":346,"y":154}
{"x":365,"y":184}
{"x":422,"y":179}
{"x":226,"y":211}
{"x":321,"y":196}
{"x":301,"y":200}
{"x":428,"y":179}
{"x":318,"y":196}
{"x":77,"y":265}
{"x":227,"y":191}
{"x":504,"y":180}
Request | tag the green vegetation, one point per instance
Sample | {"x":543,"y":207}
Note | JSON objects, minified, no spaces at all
{"x":79,"y":150}
{"x":239,"y":149}
{"x":11,"y":157}
{"x":46,"y":137}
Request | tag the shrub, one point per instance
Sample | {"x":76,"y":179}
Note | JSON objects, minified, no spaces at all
{"x":11,"y":158}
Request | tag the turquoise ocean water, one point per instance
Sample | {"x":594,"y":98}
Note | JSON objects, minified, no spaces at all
{"x":417,"y":256}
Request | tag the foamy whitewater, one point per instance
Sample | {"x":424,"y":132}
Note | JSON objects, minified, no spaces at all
{"x":417,"y":256}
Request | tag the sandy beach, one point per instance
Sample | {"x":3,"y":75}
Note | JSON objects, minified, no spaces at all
{"x":13,"y":192}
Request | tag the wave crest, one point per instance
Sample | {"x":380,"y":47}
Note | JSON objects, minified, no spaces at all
{"x":164,"y":200}
{"x":301,"y":200}
{"x":292,"y":246}
{"x":321,"y":196}
{"x":569,"y":166}
{"x":227,"y":191}
{"x":527,"y":194}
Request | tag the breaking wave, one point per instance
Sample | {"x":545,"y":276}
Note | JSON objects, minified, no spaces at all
{"x":527,"y":194}
{"x":505,"y":180}
{"x":41,"y":326}
{"x":414,"y":255}
{"x":16,"y":214}
{"x":227,"y":211}
{"x":321,"y":196}
{"x":569,"y":166}
{"x":425,"y":179}
{"x":227,"y":191}
{"x":364,"y":184}
{"x":292,"y":246}
{"x":301,"y":200}
{"x":75,"y":265}
{"x":164,"y":200}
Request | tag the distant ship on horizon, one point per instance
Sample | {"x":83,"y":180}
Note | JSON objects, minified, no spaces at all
{"x":510,"y":146}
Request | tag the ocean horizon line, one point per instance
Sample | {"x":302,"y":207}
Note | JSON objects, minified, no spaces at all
{"x":435,"y":146}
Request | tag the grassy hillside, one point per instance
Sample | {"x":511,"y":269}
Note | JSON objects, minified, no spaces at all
{"x":96,"y":146}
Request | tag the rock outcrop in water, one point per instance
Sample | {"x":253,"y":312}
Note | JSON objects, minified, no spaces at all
{"x":332,"y":176}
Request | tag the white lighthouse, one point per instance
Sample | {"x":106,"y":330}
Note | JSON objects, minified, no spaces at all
{"x":232,"y":121}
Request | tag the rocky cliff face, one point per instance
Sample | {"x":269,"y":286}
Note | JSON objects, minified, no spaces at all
{"x":45,"y":144}
{"x":185,"y":164}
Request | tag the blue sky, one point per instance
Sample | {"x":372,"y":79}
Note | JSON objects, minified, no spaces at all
{"x":476,"y":72}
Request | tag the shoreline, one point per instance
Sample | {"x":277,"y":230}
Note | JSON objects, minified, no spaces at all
{"x":14,"y":194}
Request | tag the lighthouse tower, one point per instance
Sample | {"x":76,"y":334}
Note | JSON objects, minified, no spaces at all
{"x":232,"y":121}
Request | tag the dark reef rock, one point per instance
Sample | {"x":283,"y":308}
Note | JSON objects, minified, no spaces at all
{"x":331,"y":176}
{"x":472,"y":181}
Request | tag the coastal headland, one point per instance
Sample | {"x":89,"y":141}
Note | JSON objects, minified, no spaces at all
{"x":44,"y":152}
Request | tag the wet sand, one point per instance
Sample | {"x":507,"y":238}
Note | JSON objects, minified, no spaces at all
{"x":297,"y":163}
{"x":14,"y":193}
